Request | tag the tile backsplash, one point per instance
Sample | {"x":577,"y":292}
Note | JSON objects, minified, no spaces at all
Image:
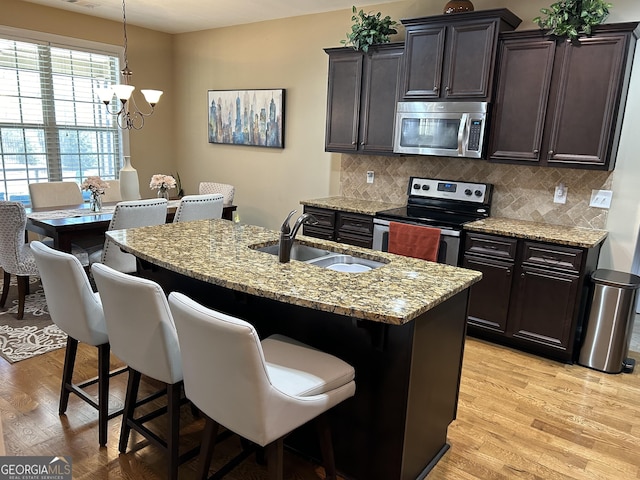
{"x":520,"y":192}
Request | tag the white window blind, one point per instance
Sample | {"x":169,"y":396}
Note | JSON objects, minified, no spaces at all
{"x":52,"y":124}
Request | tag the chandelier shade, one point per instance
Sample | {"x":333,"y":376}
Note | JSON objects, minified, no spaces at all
{"x":128,"y":115}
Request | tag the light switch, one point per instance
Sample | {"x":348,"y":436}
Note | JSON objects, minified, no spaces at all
{"x":601,"y":198}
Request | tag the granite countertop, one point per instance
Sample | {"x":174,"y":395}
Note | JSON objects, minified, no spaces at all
{"x":355,"y":205}
{"x":217,"y":252}
{"x":574,"y":236}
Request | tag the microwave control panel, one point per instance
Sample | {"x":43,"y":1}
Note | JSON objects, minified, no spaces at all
{"x":475,"y":131}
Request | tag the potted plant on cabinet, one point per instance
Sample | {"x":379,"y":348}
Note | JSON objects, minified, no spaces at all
{"x":571,"y":18}
{"x":369,"y":29}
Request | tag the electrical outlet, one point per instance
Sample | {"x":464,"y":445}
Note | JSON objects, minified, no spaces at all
{"x":370,"y":176}
{"x":601,"y":198}
{"x":560,"y":195}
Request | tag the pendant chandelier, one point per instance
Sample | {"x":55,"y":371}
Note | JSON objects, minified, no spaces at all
{"x":129,"y":115}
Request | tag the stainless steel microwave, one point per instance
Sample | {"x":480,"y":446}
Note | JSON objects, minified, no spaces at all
{"x":446,"y":129}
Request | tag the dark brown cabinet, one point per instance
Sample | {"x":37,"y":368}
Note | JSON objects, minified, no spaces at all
{"x":361,"y":99}
{"x":532,"y":295}
{"x":559,"y":103}
{"x":344,"y":227}
{"x":451,"y":57}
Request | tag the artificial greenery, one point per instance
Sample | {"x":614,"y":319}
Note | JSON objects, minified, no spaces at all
{"x":369,"y":29}
{"x":571,"y":18}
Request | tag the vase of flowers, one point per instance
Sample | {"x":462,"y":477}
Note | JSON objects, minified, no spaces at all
{"x":163,"y":183}
{"x":96,"y":186}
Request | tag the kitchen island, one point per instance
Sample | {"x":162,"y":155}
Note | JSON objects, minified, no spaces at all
{"x":402,"y":326}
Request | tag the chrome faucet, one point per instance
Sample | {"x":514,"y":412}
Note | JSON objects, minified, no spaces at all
{"x":287,"y":235}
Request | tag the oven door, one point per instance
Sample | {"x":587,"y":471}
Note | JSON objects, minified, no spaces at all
{"x":449,"y":249}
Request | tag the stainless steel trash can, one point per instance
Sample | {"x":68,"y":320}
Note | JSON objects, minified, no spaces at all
{"x":610,"y":322}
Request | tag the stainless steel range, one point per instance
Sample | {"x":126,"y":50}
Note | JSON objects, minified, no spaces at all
{"x":444,"y":204}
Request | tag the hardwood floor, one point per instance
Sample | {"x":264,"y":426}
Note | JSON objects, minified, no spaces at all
{"x":519,"y":416}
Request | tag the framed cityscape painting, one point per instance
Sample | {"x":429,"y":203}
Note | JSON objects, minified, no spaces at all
{"x":247,"y":117}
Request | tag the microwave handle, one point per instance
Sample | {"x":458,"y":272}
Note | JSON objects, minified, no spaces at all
{"x":462,"y":132}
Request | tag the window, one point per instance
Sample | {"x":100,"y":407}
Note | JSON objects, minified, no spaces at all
{"x":52,"y":124}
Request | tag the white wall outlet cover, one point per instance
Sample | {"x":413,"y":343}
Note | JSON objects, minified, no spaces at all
{"x":601,"y":198}
{"x":370,"y":176}
{"x":560,"y":195}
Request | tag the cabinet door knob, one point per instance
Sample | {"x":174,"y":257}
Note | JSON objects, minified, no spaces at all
{"x":509,"y":273}
{"x":522,"y":275}
{"x":436,"y":88}
{"x":354,"y":143}
{"x":361,"y":143}
{"x":551,"y":152}
{"x":536,"y":151}
{"x":447,"y":89}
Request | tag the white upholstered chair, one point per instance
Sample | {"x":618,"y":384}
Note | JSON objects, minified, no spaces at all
{"x":15,"y":255}
{"x":112,"y":194}
{"x":54,"y":194}
{"x":199,"y":207}
{"x":77,"y":311}
{"x":225,"y":189}
{"x":129,"y":214}
{"x":259,"y":390}
{"x":142,"y":334}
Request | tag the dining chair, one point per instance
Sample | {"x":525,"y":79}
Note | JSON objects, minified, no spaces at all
{"x":15,"y":255}
{"x":129,"y":214}
{"x":77,"y":310}
{"x":143,"y":335}
{"x":261,"y":390}
{"x":199,"y":207}
{"x":228,"y":191}
{"x":112,"y":194}
{"x":55,"y":194}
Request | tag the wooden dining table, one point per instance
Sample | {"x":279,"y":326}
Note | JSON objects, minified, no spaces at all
{"x":70,"y":224}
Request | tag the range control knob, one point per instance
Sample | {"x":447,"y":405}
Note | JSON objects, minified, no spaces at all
{"x":478,"y":193}
{"x":416,"y":186}
{"x":467,"y":192}
{"x":425,"y":187}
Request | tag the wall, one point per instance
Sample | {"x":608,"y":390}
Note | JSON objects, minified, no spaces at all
{"x":150,"y":58}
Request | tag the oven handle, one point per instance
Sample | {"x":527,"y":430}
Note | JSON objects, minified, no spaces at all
{"x":447,"y":232}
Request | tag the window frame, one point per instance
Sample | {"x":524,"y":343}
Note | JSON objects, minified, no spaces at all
{"x":69,"y":43}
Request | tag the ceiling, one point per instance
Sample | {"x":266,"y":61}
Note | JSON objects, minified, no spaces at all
{"x":180,"y":16}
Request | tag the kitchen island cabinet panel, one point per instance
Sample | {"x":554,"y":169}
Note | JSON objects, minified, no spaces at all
{"x":344,"y":227}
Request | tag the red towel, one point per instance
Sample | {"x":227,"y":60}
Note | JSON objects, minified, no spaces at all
{"x":414,"y":241}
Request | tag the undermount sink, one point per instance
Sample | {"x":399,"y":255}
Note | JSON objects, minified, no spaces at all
{"x":299,"y":251}
{"x":325,"y":258}
{"x":346,"y":263}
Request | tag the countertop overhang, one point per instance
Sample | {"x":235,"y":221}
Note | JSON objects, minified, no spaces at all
{"x":218,"y":252}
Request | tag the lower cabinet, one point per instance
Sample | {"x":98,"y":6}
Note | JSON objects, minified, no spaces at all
{"x":344,"y":227}
{"x":532,"y":296}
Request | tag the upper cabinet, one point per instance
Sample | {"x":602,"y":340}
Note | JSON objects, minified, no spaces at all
{"x":559,"y":103}
{"x":361,"y":99}
{"x":452,"y":57}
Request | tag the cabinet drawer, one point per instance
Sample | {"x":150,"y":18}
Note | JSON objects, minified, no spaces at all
{"x":491,"y":246}
{"x":326,"y":218}
{"x":355,"y":223}
{"x":313,"y":231}
{"x":357,"y":240}
{"x":564,"y":258}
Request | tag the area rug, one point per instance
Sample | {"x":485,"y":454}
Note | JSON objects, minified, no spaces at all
{"x":35,"y":334}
